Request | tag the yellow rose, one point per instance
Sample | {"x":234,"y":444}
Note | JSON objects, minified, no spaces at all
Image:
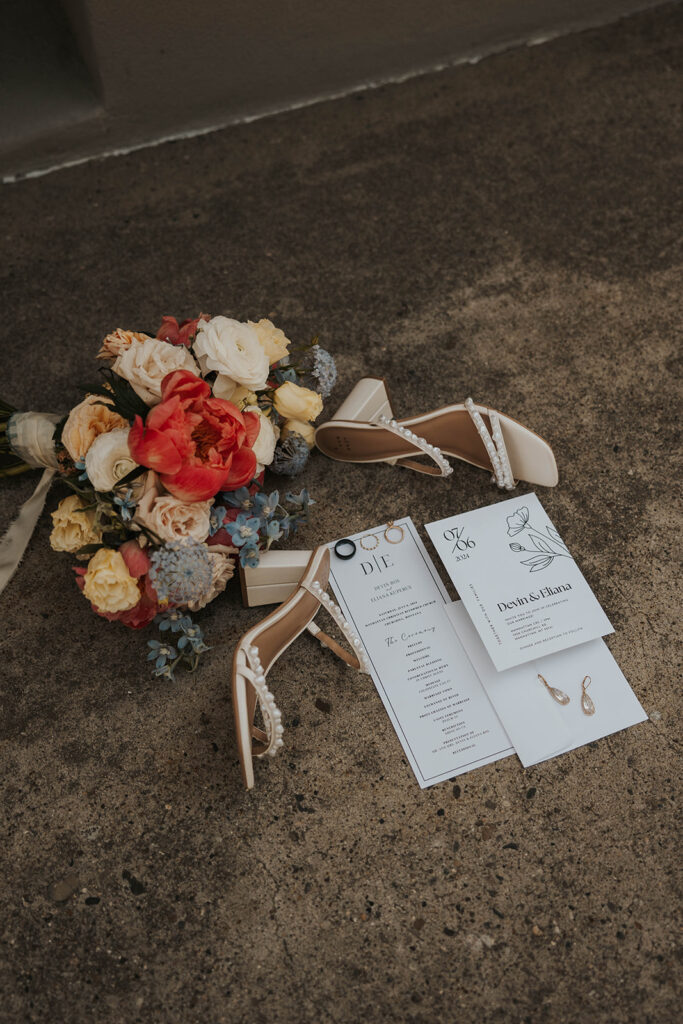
{"x":87,"y":420}
{"x":73,"y":527}
{"x":272,"y":340}
{"x":305,"y":430}
{"x":297,"y":403}
{"x":108,"y":585}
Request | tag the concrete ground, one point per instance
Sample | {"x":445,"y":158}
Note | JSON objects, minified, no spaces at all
{"x":509,"y":230}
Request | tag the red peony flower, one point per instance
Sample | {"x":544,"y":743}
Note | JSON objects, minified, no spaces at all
{"x":197,"y":444}
{"x":179,"y":334}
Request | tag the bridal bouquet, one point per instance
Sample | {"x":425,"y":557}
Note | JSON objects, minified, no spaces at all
{"x":165,"y":462}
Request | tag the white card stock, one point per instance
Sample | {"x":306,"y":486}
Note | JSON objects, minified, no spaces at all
{"x":393,"y":598}
{"x":518,"y":581}
{"x":537,"y":725}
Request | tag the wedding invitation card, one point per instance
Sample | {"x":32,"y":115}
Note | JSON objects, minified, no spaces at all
{"x":518,"y":581}
{"x":537,"y":725}
{"x":391,"y":594}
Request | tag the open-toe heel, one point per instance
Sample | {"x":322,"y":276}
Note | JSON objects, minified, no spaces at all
{"x":364,"y":429}
{"x":262,"y":645}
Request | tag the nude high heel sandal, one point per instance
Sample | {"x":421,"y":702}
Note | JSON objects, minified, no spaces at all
{"x":364,"y":429}
{"x":260,"y":648}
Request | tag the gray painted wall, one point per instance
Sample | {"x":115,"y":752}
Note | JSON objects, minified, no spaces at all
{"x":162,"y":67}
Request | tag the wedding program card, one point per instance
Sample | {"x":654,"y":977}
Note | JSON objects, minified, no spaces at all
{"x":538,"y":726}
{"x":518,"y":581}
{"x":395,"y":601}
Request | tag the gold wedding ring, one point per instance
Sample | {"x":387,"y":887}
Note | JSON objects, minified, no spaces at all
{"x":390,"y":528}
{"x":393,"y":527}
{"x":369,"y":536}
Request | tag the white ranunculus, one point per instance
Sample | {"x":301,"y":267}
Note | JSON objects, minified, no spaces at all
{"x":108,"y":459}
{"x":173,"y":519}
{"x":264,"y":445}
{"x":232,"y":349}
{"x":144,"y":364}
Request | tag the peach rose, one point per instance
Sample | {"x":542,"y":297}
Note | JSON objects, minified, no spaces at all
{"x":118,"y":341}
{"x":172,"y":518}
{"x":87,"y":420}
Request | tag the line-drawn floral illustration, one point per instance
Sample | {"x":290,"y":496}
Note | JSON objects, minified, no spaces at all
{"x":544,"y":547}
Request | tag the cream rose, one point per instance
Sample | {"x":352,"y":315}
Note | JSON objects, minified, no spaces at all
{"x":108,"y":585}
{"x":305,"y":430}
{"x":74,"y":527}
{"x":264,"y":445}
{"x":222,"y":569}
{"x":109,"y":459}
{"x":273,"y":341}
{"x":173,"y":519}
{"x":87,"y":420}
{"x":144,"y":364}
{"x":297,"y":403}
{"x":234,"y":351}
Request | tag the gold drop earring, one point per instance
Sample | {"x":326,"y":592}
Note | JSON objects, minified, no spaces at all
{"x":559,"y":695}
{"x":587,"y":705}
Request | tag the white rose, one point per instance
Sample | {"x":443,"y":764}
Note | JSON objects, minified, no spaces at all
{"x":144,"y":364}
{"x":173,"y":519}
{"x":108,"y":459}
{"x":232,"y":349}
{"x":264,"y":445}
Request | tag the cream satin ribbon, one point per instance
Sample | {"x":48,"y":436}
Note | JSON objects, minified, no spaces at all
{"x":31,"y":437}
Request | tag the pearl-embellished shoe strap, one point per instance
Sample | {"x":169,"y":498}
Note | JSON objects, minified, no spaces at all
{"x":494,"y":444}
{"x":271,"y":740}
{"x":354,"y":641}
{"x":442,"y":466}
